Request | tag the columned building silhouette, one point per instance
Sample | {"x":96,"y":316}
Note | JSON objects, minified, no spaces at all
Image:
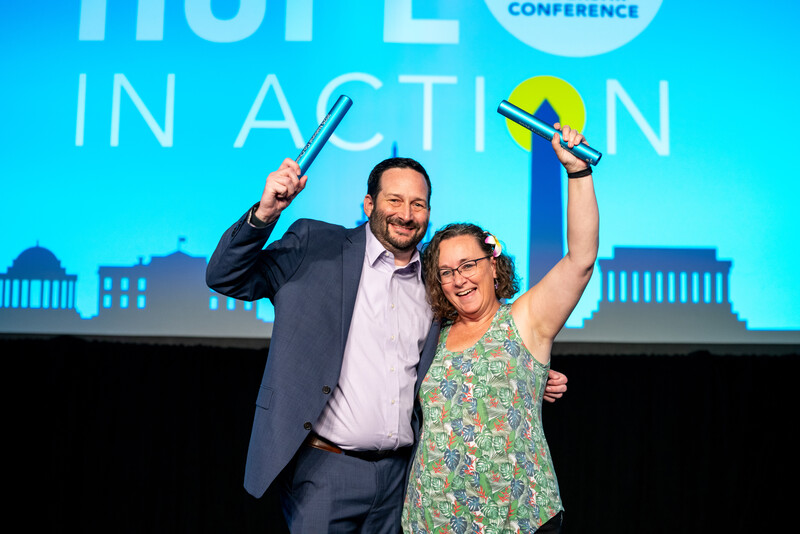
{"x":665,"y":295}
{"x":37,"y":294}
{"x":644,"y":275}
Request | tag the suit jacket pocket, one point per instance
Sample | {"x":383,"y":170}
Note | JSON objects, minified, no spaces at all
{"x":264,"y":397}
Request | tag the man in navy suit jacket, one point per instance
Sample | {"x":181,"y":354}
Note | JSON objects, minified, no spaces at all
{"x":336,"y":418}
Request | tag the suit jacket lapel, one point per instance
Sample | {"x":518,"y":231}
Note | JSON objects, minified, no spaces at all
{"x":428,"y":351}
{"x":353,"y":250}
{"x":427,"y":355}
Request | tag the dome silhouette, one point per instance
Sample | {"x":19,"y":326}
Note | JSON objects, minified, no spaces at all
{"x":37,"y":262}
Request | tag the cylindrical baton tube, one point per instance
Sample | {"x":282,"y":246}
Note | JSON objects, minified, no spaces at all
{"x":526,"y":120}
{"x":323,"y":133}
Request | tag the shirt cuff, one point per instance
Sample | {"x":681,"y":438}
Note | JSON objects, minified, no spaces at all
{"x":254,"y":221}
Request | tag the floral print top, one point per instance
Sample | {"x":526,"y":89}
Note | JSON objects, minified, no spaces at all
{"x":482,"y":465}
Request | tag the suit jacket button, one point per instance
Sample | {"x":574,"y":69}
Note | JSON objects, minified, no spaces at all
{"x":326,"y":390}
{"x":307,"y":425}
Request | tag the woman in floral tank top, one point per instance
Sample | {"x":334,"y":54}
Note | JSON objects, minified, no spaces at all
{"x":482,"y":464}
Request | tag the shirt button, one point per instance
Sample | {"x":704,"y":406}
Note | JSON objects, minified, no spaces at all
{"x":392,"y":306}
{"x":392,"y":401}
{"x":392,"y":338}
{"x":307,"y":425}
{"x":326,"y":389}
{"x":390,"y":434}
{"x":391,"y":369}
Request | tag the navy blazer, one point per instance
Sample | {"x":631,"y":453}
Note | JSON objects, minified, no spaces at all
{"x":311,"y":275}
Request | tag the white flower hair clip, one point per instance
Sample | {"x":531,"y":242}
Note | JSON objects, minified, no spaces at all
{"x":497,"y":248}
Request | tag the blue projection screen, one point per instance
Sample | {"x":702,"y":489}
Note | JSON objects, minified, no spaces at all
{"x":135,"y":133}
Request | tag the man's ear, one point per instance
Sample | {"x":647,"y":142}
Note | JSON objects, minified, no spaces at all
{"x":368,"y":206}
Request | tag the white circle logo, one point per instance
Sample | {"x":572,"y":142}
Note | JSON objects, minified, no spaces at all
{"x":575,"y":28}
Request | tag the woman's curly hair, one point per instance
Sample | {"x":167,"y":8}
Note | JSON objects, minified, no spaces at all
{"x":507,"y":280}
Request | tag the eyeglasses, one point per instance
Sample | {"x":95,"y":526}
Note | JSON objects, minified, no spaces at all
{"x":466,"y":269}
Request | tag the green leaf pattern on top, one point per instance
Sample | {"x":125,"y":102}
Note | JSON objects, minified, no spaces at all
{"x":482,"y":464}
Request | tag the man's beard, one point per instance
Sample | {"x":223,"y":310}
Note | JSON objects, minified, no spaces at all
{"x":379,"y":224}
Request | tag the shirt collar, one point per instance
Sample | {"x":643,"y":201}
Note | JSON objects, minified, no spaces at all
{"x":376,"y":252}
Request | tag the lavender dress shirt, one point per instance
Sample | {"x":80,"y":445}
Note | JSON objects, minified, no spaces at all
{"x":370,"y":408}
